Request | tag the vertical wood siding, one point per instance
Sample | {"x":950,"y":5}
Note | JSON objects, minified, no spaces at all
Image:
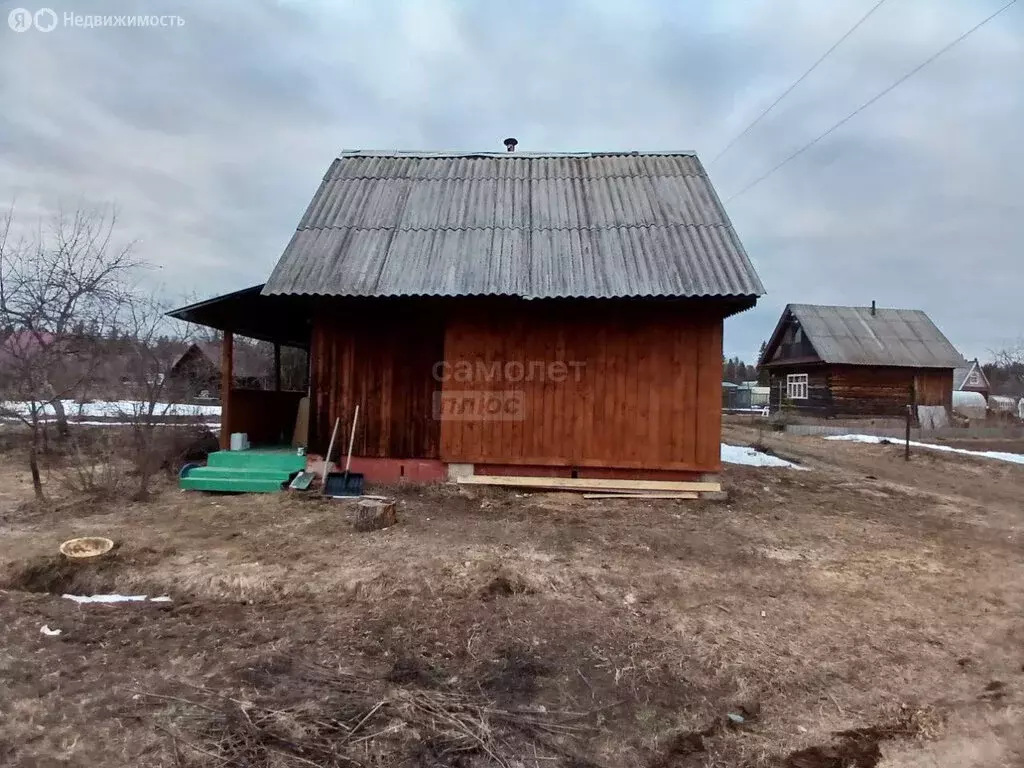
{"x":266,"y":416}
{"x":648,"y":394}
{"x":381,"y":360}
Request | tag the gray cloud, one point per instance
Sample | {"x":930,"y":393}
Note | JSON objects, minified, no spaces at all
{"x":212,"y":137}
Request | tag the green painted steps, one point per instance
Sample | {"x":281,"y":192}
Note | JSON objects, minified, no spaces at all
{"x":257,"y":470}
{"x":279,"y":459}
{"x":194,"y":482}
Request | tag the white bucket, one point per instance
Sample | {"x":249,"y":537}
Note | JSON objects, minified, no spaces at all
{"x":239,"y":441}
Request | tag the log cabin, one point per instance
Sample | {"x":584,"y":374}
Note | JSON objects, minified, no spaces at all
{"x":502,"y":313}
{"x":858,"y":362}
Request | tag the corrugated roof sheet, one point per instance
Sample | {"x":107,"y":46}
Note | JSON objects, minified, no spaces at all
{"x":960,"y":376}
{"x":516,"y":224}
{"x":893,"y":337}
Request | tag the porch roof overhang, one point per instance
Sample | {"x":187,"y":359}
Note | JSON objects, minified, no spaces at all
{"x":278,"y":319}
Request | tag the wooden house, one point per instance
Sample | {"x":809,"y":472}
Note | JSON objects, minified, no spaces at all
{"x":971,"y":378}
{"x":196,"y":372}
{"x":518,"y":313}
{"x":858,"y":361}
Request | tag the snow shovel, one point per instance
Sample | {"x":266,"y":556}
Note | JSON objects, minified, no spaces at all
{"x":327,"y":458}
{"x":350,"y":483}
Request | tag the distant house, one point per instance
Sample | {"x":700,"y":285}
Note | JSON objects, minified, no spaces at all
{"x":971,"y":378}
{"x":197,"y":371}
{"x":22,"y":345}
{"x":858,"y":361}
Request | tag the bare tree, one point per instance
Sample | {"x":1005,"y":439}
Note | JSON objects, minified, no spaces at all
{"x":53,"y":282}
{"x":1010,"y":362}
{"x":153,"y":411}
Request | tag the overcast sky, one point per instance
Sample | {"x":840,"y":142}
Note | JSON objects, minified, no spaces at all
{"x":212,"y":137}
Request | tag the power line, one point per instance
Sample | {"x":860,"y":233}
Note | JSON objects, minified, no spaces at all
{"x":871,"y":101}
{"x":797,"y":82}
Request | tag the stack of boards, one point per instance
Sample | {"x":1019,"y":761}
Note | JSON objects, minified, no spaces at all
{"x":603,"y":489}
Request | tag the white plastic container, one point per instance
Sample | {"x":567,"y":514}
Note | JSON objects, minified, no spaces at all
{"x":239,"y":441}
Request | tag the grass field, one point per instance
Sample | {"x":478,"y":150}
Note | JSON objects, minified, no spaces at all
{"x":866,"y":612}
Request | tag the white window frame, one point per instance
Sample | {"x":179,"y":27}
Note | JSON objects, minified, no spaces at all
{"x":796,"y":386}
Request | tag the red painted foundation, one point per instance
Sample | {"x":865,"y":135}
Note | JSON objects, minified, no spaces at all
{"x":389,"y":470}
{"x":589,"y":473}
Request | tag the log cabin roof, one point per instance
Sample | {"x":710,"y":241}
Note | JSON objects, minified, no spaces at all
{"x":866,"y":336}
{"x":528,"y":225}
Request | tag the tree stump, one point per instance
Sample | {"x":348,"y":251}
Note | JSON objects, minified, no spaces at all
{"x":374,"y":515}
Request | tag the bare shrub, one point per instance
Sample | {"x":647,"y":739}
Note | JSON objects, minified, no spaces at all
{"x":96,"y":467}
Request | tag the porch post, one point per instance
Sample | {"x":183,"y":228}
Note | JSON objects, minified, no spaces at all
{"x":277,"y":366}
{"x":226,"y":379}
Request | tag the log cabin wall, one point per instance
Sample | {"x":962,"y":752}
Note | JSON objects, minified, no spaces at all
{"x":853,"y":390}
{"x":379,"y":355}
{"x":819,"y":394}
{"x":877,"y":391}
{"x":647,"y":394}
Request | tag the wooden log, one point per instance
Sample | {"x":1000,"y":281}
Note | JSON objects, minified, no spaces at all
{"x":585,"y":484}
{"x":372,"y":515}
{"x":684,"y":495}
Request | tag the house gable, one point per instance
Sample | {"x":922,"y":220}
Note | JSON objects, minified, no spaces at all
{"x":789,"y":344}
{"x":971,"y":378}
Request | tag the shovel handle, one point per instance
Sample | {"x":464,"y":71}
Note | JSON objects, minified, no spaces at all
{"x":352,"y":440}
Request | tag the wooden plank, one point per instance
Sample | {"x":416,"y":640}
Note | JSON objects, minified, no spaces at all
{"x":659,"y":387}
{"x":561,"y":447}
{"x":277,"y":367}
{"x":681,"y":495}
{"x":643,"y":449}
{"x":586,"y":484}
{"x":678,"y":405}
{"x":513,"y":442}
{"x":595,"y":375}
{"x":227,"y":378}
{"x":632,"y":386}
{"x":451,"y":430}
{"x":608,"y":408}
{"x":689,"y":373}
{"x":709,"y":394}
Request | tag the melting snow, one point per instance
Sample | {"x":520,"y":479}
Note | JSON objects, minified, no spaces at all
{"x":116,"y":598}
{"x":1015,"y":458}
{"x":45,"y":629}
{"x":113,"y":409}
{"x":738,"y":454}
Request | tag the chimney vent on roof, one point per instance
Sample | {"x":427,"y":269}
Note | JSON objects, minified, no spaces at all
{"x":872,"y":308}
{"x":510,"y":144}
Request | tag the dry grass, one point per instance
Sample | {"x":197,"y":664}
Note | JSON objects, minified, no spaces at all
{"x":844,"y":618}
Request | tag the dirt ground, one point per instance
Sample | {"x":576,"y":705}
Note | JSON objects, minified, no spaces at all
{"x":866,"y":612}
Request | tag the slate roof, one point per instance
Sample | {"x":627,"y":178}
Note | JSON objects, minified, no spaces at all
{"x":890,"y":337}
{"x":515,"y":224}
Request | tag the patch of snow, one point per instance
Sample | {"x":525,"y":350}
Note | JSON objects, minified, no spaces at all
{"x":211,"y":425}
{"x":114,"y":598}
{"x":45,"y":629}
{"x":1014,"y":458}
{"x":738,"y":454}
{"x":113,"y":408}
{"x":161,"y":599}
